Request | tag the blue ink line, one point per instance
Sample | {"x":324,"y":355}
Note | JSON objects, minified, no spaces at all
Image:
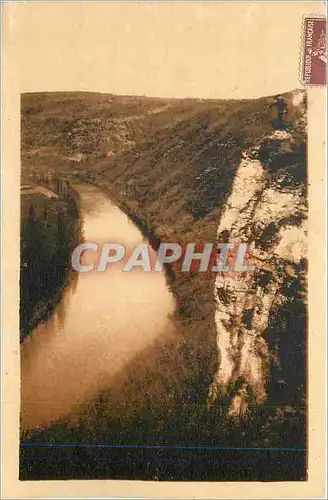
{"x":160,"y":447}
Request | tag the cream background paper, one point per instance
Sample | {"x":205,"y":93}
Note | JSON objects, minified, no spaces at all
{"x":217,"y":50}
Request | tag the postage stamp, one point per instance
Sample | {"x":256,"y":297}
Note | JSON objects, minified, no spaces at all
{"x":314,"y":51}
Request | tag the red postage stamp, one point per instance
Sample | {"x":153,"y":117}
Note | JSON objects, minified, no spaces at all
{"x":314,"y":51}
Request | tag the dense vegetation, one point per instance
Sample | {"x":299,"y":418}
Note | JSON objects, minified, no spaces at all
{"x":49,"y":229}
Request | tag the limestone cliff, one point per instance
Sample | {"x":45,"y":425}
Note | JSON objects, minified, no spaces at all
{"x":267,"y":209}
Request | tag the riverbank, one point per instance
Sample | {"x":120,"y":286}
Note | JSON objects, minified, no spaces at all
{"x":50,"y":230}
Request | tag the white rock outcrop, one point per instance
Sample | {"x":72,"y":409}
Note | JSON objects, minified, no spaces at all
{"x":267,"y":209}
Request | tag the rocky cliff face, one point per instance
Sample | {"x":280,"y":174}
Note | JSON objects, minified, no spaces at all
{"x":257,"y":331}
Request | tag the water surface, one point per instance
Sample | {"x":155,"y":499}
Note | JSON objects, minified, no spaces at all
{"x":102,"y":321}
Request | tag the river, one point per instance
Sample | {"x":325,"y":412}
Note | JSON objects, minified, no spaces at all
{"x":101,"y":322}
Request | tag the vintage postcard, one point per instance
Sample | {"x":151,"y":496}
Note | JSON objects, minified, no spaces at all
{"x":163,"y":249}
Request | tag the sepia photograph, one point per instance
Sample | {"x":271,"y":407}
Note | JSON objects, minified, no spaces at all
{"x":163,"y":223}
{"x":164,"y":374}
